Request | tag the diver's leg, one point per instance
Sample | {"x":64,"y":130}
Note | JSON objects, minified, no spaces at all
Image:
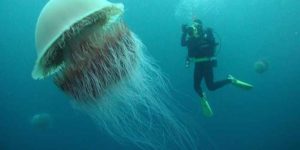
{"x":209,"y":79}
{"x":198,"y":75}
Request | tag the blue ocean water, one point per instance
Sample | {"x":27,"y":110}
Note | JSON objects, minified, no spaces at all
{"x":267,"y":117}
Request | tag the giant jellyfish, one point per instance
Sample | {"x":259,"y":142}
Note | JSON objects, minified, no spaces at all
{"x":100,"y":63}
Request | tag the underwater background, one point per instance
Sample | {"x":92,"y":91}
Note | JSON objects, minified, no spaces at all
{"x":265,"y":118}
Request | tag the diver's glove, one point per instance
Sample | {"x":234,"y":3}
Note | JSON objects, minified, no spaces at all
{"x":184,"y":28}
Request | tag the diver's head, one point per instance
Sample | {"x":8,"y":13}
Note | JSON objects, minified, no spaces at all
{"x":197,"y":23}
{"x":191,"y":30}
{"x":195,"y":29}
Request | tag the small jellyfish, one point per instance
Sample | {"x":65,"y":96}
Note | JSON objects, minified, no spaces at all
{"x":41,"y":121}
{"x":261,"y":66}
{"x":100,"y":63}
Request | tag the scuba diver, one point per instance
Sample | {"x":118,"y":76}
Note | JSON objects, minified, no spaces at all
{"x":201,"y":47}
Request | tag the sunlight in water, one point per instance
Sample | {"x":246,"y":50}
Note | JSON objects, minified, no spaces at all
{"x":188,"y":9}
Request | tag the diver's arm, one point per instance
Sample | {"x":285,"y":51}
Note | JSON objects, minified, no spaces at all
{"x":184,"y":34}
{"x":183,"y":39}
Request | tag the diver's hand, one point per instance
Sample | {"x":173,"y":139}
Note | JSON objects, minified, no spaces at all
{"x":184,"y":28}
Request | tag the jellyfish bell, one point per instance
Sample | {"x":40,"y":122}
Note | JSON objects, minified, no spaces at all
{"x":41,"y":121}
{"x":54,"y":21}
{"x":261,"y":66}
{"x":58,"y":17}
{"x":85,"y":45}
{"x":95,"y":58}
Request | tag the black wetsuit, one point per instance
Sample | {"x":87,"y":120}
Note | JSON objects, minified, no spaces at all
{"x":200,"y":47}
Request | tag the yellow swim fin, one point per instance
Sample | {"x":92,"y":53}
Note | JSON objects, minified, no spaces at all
{"x":206,"y":109}
{"x":239,"y":83}
{"x":242,"y":84}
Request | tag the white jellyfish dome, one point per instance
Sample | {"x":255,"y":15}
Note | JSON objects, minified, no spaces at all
{"x":57,"y":17}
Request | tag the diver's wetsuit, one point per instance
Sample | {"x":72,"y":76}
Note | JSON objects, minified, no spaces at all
{"x":201,"y":47}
